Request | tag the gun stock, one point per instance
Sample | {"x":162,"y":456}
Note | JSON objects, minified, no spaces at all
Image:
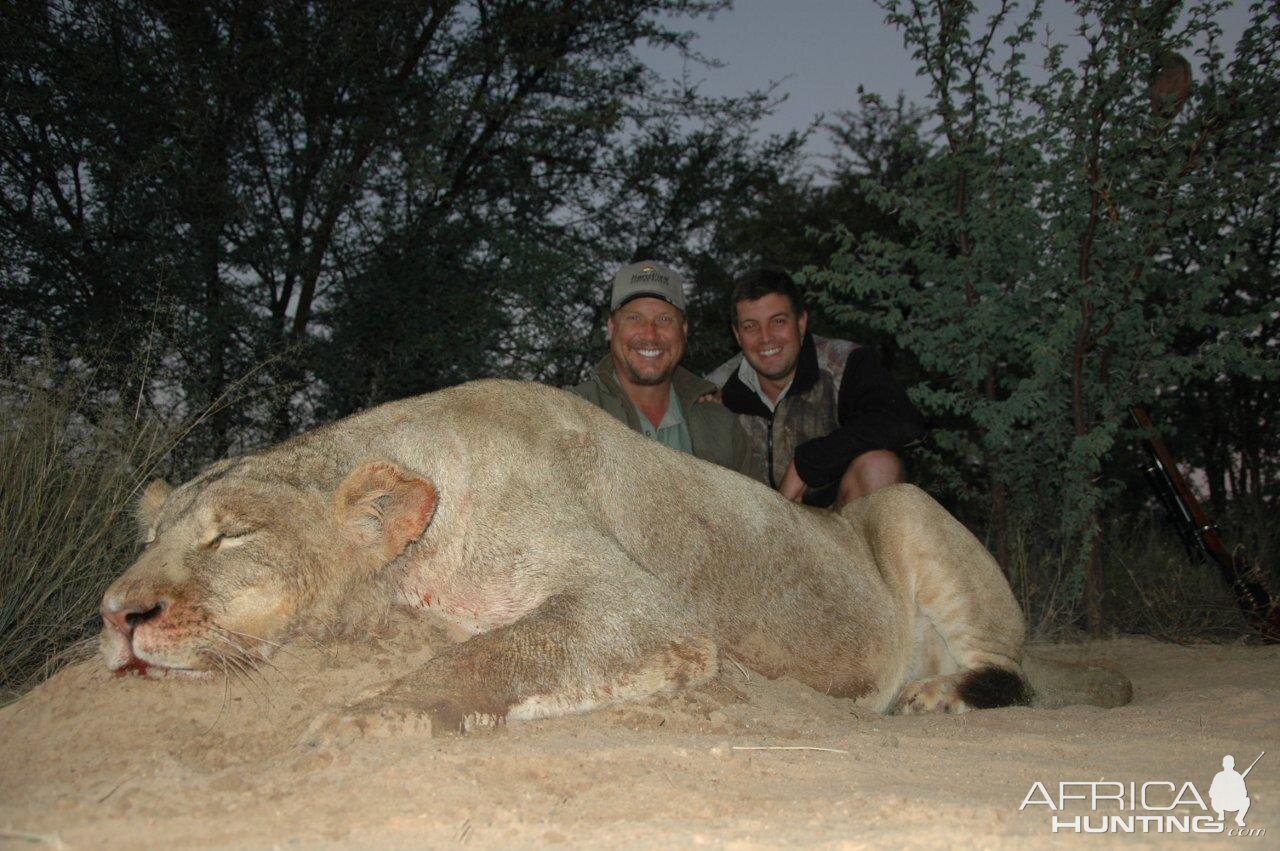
{"x":1198,"y":532}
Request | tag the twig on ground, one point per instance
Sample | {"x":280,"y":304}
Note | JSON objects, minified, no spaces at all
{"x":786,"y":748}
{"x":33,"y":838}
{"x":746,"y":675}
{"x":127,"y":777}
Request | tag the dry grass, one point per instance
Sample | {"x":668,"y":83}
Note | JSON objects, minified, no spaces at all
{"x":1153,"y":585}
{"x":66,"y":490}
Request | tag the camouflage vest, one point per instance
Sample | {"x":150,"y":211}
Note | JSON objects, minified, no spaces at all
{"x":808,"y":409}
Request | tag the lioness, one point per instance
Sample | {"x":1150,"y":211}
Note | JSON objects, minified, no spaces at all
{"x":588,"y":564}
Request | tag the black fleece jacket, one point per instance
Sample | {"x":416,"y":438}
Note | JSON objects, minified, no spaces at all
{"x":872,"y":412}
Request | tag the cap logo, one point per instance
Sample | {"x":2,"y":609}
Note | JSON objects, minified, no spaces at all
{"x":646,"y":279}
{"x":647,"y":274}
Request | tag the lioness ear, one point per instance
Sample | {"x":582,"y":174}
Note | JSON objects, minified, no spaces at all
{"x":381,"y":504}
{"x":149,"y":503}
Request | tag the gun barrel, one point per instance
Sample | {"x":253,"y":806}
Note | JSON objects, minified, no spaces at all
{"x":1198,"y":531}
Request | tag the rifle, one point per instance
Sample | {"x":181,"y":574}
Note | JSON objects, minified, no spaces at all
{"x":1198,"y":533}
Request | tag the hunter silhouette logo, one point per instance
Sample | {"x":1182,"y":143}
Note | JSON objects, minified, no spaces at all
{"x":1227,"y":792}
{"x":1152,"y":806}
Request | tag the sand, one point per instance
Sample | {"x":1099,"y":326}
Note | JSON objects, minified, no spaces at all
{"x":92,"y":760}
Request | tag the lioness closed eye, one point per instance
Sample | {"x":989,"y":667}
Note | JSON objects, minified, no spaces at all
{"x":588,"y":564}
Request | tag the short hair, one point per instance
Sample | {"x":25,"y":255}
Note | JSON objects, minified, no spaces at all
{"x":759,"y":283}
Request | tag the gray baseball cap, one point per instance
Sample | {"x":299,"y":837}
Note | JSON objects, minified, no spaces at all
{"x":647,"y":278}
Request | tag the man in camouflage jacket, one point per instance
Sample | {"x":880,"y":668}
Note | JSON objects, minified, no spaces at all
{"x":825,"y":421}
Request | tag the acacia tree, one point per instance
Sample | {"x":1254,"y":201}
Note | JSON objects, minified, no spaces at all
{"x":1042,"y":285}
{"x":1231,"y":418}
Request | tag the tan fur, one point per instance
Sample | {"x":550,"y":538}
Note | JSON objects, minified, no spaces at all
{"x":588,"y":564}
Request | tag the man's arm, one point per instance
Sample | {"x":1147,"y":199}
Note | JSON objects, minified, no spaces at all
{"x":873,"y":413}
{"x":586,"y":390}
{"x":720,"y":439}
{"x":792,"y":486}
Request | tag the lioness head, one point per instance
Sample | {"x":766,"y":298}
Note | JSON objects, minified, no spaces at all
{"x":240,"y":558}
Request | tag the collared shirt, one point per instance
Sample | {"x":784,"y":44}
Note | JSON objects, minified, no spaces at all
{"x":713,"y":431}
{"x":672,"y":431}
{"x":750,"y":378}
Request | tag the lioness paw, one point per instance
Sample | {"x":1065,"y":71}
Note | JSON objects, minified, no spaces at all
{"x":449,"y":717}
{"x":387,"y":718}
{"x":935,"y":694}
{"x":981,"y":688}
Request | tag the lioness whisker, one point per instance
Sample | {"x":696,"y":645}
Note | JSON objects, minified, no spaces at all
{"x":239,"y":663}
{"x":252,"y":677}
{"x":239,"y":651}
{"x":226,"y":692}
{"x":251,"y":658}
{"x":278,"y":646}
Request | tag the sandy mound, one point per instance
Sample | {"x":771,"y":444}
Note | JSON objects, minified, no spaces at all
{"x":90,"y":759}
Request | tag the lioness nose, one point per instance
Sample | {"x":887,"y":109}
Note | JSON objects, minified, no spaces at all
{"x":125,"y":617}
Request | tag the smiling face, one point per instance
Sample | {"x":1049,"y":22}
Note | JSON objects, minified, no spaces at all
{"x":770,"y":334}
{"x":646,"y":340}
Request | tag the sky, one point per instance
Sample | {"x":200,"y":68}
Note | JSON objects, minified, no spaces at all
{"x":821,"y":50}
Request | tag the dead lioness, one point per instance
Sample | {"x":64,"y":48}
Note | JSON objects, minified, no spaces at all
{"x":588,"y":564}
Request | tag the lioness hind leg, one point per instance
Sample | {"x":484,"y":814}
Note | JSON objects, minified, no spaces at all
{"x":968,"y":644}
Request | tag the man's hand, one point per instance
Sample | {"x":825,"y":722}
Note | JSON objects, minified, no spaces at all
{"x":792,"y":486}
{"x":709,"y":397}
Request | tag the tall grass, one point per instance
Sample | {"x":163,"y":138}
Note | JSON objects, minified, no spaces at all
{"x":66,"y":529}
{"x":1153,"y":585}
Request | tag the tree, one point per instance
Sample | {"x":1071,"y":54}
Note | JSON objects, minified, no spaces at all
{"x":372,"y":199}
{"x":1230,"y":419}
{"x":1041,"y":284}
{"x":940,"y":285}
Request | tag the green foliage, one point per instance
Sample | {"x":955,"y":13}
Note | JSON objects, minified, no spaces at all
{"x":1065,"y":256}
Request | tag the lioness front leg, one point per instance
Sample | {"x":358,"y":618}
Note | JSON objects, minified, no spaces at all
{"x":573,"y":654}
{"x":598,"y":644}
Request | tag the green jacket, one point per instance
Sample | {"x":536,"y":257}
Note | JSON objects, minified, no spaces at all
{"x":714,"y":432}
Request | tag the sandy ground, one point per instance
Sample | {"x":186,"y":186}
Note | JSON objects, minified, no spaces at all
{"x":93,"y":760}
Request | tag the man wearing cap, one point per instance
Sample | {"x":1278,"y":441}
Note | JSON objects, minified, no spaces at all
{"x":641,"y":381}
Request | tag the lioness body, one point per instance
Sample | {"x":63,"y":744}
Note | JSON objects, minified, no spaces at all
{"x":588,"y":564}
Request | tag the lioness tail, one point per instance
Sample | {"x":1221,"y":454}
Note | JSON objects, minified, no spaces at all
{"x":1054,"y":684}
{"x":988,"y":688}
